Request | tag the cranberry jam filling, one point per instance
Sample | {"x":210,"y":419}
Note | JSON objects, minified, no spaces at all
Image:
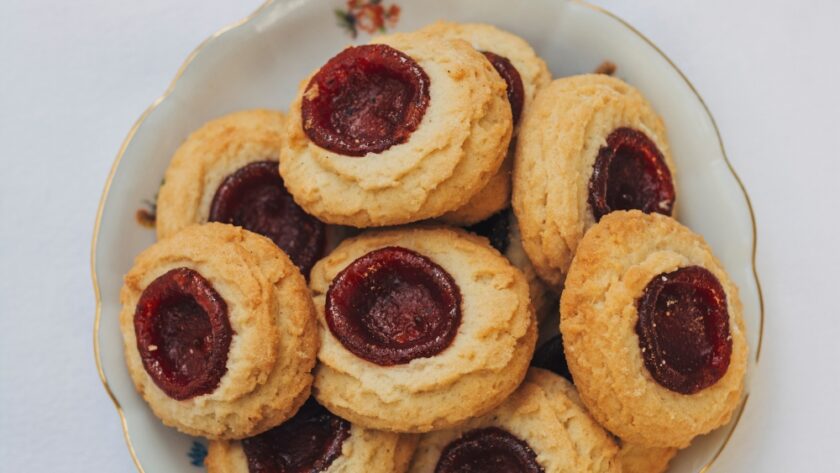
{"x":515,"y":89}
{"x":683,"y":329}
{"x":393,"y":305}
{"x":550,"y":356}
{"x":630,"y":173}
{"x":255,"y":199}
{"x":488,"y":450}
{"x":308,"y":442}
{"x":183,"y":333}
{"x":495,"y":228}
{"x":365,"y":100}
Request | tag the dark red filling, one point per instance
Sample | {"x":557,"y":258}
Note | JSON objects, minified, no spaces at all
{"x":393,"y":305}
{"x":551,"y":356}
{"x":488,"y":450}
{"x":255,"y":199}
{"x":307,"y":443}
{"x":183,"y":333}
{"x":630,"y":173}
{"x":515,"y":89}
{"x":365,"y":100}
{"x":683,"y":329}
{"x":495,"y":228}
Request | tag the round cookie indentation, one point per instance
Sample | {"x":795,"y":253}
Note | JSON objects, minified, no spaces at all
{"x":488,"y":450}
{"x":393,"y":305}
{"x":683,"y":329}
{"x":255,"y":199}
{"x":183,"y":333}
{"x":515,"y":88}
{"x":630,"y":173}
{"x":308,"y":442}
{"x":495,"y":228}
{"x":365,"y":100}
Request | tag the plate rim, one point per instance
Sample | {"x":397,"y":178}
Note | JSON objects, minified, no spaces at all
{"x":266,"y":3}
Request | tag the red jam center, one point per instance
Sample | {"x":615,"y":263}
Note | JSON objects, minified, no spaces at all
{"x":255,"y":199}
{"x":495,"y":228}
{"x":488,"y":450}
{"x":393,"y":305}
{"x":365,"y":100}
{"x":630,"y":173}
{"x":551,"y":356}
{"x":307,"y":443}
{"x":183,"y":333}
{"x":683,"y":329}
{"x":515,"y":89}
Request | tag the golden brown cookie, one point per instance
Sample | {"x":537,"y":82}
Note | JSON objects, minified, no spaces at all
{"x":538,"y":428}
{"x":227,"y":171}
{"x":421,"y":329}
{"x":588,"y":145}
{"x":219,"y":330}
{"x":430,"y":126}
{"x":653,"y":330}
{"x":314,"y":439}
{"x":638,"y":459}
{"x":524,"y":73}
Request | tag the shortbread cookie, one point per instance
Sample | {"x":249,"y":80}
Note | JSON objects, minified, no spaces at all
{"x":421,"y":329}
{"x":537,"y":429}
{"x":588,"y":145}
{"x":524,"y":73}
{"x":219,"y":330}
{"x":405,"y":129}
{"x":653,"y":330}
{"x":227,"y":171}
{"x":502,"y":230}
{"x":314,"y":440}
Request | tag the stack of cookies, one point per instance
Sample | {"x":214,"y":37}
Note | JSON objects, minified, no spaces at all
{"x":272,"y":318}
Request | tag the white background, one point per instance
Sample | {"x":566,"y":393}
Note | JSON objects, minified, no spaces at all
{"x":75,"y":75}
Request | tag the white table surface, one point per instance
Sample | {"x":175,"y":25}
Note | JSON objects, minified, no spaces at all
{"x":74,"y":76}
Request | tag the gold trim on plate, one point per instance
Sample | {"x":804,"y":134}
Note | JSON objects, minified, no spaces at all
{"x":217,"y":34}
{"x":664,"y":56}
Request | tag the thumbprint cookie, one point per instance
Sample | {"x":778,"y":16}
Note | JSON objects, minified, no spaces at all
{"x":653,"y":330}
{"x":313,"y":440}
{"x":219,"y":330}
{"x":589,"y":145}
{"x":502,"y":231}
{"x":227,"y":171}
{"x":404,"y":129}
{"x":421,"y":328}
{"x":538,"y":429}
{"x":524,"y":73}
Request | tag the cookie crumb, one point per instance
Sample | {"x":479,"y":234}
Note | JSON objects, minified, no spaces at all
{"x":606,"y":67}
{"x":145,"y":218}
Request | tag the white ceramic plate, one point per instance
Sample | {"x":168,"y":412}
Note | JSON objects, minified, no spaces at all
{"x":259,"y":61}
